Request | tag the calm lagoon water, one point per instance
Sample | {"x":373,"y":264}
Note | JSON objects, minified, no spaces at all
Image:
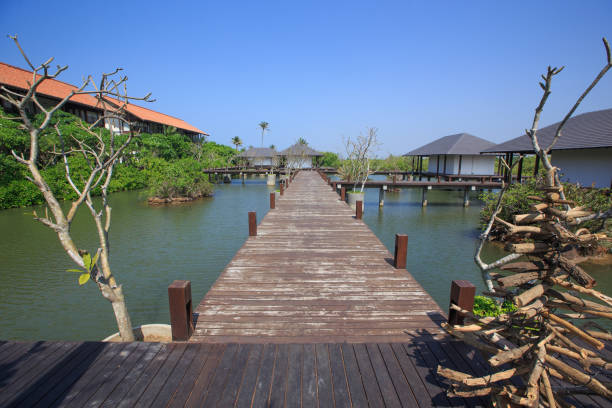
{"x":153,"y":246}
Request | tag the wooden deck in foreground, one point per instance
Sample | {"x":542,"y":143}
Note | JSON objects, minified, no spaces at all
{"x":50,"y":374}
{"x":314,"y":274}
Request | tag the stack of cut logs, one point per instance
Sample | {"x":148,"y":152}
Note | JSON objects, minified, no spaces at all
{"x":552,"y":346}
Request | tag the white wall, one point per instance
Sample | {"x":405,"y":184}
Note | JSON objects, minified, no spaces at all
{"x":585,"y":166}
{"x":299,"y":162}
{"x":470,"y":164}
{"x":261,"y":161}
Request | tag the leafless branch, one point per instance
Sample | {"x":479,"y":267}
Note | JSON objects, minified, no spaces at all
{"x":584,"y":94}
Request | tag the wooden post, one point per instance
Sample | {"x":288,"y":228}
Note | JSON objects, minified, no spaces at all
{"x":181,"y":310}
{"x":537,"y":166}
{"x":460,"y":157}
{"x":444,"y":171}
{"x":520,"y":171}
{"x":252,"y":224}
{"x":509,"y":171}
{"x":282,"y":187}
{"x":424,"y":197}
{"x":272,"y":200}
{"x":394,"y":179}
{"x":401,"y":249}
{"x":359,"y":209}
{"x":343,"y":193}
{"x":462,"y":295}
{"x":381,"y":196}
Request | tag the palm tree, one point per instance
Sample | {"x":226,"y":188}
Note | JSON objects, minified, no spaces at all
{"x":264,"y":126}
{"x":302,"y":141}
{"x":236,"y":141}
{"x":272,"y":147}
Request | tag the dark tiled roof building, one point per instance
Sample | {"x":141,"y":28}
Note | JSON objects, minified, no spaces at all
{"x":583,"y":153}
{"x":457,"y":154}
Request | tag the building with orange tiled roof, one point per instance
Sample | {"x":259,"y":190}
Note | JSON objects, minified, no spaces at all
{"x":88,"y":107}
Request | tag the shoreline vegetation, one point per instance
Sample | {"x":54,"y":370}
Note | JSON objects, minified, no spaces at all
{"x":516,"y":201}
{"x":165,"y":165}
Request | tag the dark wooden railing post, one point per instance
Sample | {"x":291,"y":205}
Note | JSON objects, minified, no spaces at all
{"x":252,"y":223}
{"x":462,"y":294}
{"x":358,"y":209}
{"x":282,"y":187}
{"x":181,"y":310}
{"x":401,"y":250}
{"x":272,"y":200}
{"x":343,"y":193}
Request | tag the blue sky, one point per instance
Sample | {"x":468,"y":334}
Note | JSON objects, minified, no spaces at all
{"x":326,"y":70}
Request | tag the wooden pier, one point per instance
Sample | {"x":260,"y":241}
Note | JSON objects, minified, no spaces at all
{"x":96,"y":374}
{"x":314,"y":273}
{"x":309,"y":313}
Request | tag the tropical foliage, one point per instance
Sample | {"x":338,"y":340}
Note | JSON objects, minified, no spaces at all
{"x":149,"y":160}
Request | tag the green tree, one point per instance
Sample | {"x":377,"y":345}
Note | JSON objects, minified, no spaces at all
{"x":329,"y":159}
{"x":264,"y":126}
{"x":302,"y":141}
{"x":236,"y":142}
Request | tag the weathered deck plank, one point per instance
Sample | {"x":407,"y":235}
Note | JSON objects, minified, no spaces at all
{"x":315,"y":274}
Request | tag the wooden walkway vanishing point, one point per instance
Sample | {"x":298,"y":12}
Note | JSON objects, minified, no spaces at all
{"x":313,"y":274}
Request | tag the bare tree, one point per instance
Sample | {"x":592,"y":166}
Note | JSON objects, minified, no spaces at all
{"x":552,"y":329}
{"x":101,"y":159}
{"x":552,"y":177}
{"x":359,"y":152}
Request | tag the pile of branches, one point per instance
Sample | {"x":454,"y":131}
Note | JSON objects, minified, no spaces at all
{"x":553,"y":344}
{"x":554,"y":329}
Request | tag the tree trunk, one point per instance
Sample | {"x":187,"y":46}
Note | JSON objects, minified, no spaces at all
{"x":121,"y":315}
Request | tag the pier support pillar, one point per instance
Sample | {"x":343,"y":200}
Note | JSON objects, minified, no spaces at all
{"x":181,"y":310}
{"x":358,"y":209}
{"x":462,"y":295}
{"x":401,"y":250}
{"x":343,"y":193}
{"x":252,"y":224}
{"x":272,"y":200}
{"x":242,"y":177}
{"x":381,"y":196}
{"x":424,"y":197}
{"x":466,"y":197}
{"x":282,"y":187}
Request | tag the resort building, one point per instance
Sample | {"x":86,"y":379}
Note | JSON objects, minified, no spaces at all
{"x":456,"y":155}
{"x":583,"y":153}
{"x":299,"y":156}
{"x":90,"y":108}
{"x":260,"y":156}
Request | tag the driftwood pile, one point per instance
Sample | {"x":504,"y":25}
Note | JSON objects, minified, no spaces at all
{"x":552,"y":345}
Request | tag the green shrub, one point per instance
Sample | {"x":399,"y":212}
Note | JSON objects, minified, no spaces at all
{"x":486,"y":306}
{"x":329,"y":159}
{"x":182,"y":178}
{"x":516,"y":201}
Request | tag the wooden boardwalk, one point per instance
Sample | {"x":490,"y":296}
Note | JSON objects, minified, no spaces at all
{"x":313,"y":274}
{"x":95,"y":374}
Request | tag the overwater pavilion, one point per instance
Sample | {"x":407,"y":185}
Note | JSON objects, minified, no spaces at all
{"x":457,"y":154}
{"x":583,"y":152}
